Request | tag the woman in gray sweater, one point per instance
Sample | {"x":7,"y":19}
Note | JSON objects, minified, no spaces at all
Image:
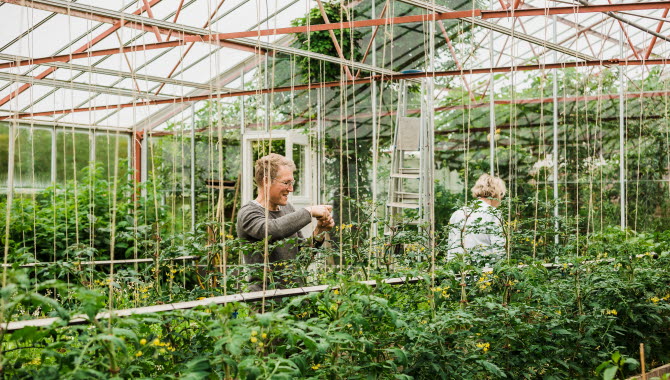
{"x":271,"y":216}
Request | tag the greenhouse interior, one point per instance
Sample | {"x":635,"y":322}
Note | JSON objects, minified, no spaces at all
{"x":335,"y":189}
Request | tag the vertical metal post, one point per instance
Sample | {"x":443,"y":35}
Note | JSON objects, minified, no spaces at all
{"x":429,"y":93}
{"x":554,"y":93}
{"x":622,"y":136}
{"x":54,"y":155}
{"x":10,"y":198}
{"x":492,"y":110}
{"x":193,"y":168}
{"x":242,"y":110}
{"x":266,"y":99}
{"x":319,"y":150}
{"x":144,"y":161}
{"x":138,"y":136}
{"x":375,"y":143}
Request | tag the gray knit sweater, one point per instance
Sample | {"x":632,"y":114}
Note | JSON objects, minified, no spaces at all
{"x":282,"y":224}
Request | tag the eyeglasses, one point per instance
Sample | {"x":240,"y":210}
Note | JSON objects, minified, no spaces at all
{"x":287,"y":183}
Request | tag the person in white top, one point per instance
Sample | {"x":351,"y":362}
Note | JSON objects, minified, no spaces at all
{"x":475,"y":233}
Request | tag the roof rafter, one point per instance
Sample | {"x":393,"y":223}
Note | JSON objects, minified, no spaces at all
{"x":147,"y":24}
{"x":506,"y":69}
{"x":110,"y":72}
{"x":80,"y":86}
{"x":503,"y":30}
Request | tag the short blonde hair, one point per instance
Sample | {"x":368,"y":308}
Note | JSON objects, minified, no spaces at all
{"x":270,"y":164}
{"x":488,"y":186}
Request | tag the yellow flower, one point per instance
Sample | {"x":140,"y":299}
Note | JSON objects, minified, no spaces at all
{"x":229,"y":237}
{"x":484,"y":346}
{"x":333,"y":307}
{"x":655,"y":299}
{"x":336,"y":292}
{"x":138,"y":354}
{"x":316,"y":366}
{"x":201,"y":298}
{"x":260,"y":344}
{"x":143,"y":341}
{"x":264,"y":335}
{"x":349,"y":325}
{"x":254,"y":332}
{"x":253,"y":339}
{"x":156,"y":342}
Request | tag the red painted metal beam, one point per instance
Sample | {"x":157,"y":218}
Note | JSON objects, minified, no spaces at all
{"x":137,"y":155}
{"x":351,"y":24}
{"x":176,"y":17}
{"x":372,"y":38}
{"x":150,"y":13}
{"x":452,"y":51}
{"x":81,"y":49}
{"x":333,"y":38}
{"x":575,"y":9}
{"x":188,"y":49}
{"x":506,"y":69}
{"x":625,"y":32}
{"x":93,"y":53}
{"x":654,"y":38}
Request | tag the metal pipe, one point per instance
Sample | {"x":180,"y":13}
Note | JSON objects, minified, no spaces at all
{"x":622,"y":139}
{"x":631,"y":23}
{"x":87,"y":87}
{"x":193,"y":216}
{"x":554,"y":93}
{"x":492,"y":109}
{"x":375,"y":141}
{"x":500,"y":29}
{"x":504,"y":69}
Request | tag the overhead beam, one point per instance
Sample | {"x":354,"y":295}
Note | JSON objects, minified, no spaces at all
{"x":627,"y":21}
{"x":114,"y":73}
{"x":184,"y":33}
{"x":431,"y":6}
{"x":585,"y":8}
{"x":505,"y":69}
{"x":91,"y":42}
{"x":57,"y":83}
{"x":92,"y":53}
{"x":27,"y":123}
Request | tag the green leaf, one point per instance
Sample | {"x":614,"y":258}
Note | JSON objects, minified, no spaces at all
{"x":610,"y":372}
{"x":494,"y":369}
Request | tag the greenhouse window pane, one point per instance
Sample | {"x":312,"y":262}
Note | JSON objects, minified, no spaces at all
{"x":4,"y":152}
{"x":32,"y":165}
{"x":299,"y":174}
{"x":109,"y":155}
{"x":72,"y":155}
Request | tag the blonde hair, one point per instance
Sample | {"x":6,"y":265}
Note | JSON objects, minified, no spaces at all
{"x":270,"y":164}
{"x":488,"y":186}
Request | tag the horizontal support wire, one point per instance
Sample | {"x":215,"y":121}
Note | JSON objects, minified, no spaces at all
{"x":103,"y":262}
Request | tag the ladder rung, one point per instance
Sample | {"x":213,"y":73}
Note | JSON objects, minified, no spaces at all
{"x":403,"y":205}
{"x":407,"y":195}
{"x":410,"y":170}
{"x":401,"y":175}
